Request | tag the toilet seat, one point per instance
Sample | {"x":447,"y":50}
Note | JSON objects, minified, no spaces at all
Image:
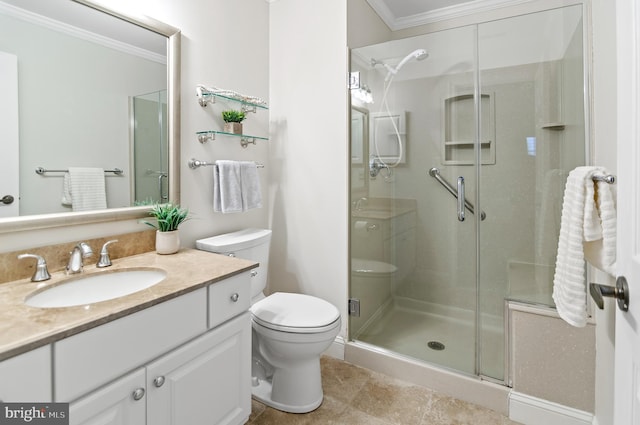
{"x":295,"y":313}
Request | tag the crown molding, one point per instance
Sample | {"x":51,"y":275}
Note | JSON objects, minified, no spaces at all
{"x":82,"y":34}
{"x":445,"y":13}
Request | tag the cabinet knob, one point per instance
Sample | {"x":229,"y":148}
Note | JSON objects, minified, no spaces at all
{"x":158,"y":381}
{"x":235,"y":297}
{"x":138,"y":394}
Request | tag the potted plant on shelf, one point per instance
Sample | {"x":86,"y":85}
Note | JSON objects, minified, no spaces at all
{"x":233,"y":121}
{"x":168,"y":219}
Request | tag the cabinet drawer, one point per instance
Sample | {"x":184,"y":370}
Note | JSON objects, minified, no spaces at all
{"x":228,"y":298}
{"x":27,"y":377}
{"x":87,"y":360}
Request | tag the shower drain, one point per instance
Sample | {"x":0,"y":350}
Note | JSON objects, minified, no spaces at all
{"x":435,"y":345}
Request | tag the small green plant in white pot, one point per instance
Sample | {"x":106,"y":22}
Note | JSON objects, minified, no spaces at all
{"x":233,"y":121}
{"x":168,"y":218}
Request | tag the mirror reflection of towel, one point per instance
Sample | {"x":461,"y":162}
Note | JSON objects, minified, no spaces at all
{"x":84,"y":189}
{"x":236,"y":186}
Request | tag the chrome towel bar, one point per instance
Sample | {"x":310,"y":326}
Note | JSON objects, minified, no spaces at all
{"x":195,"y":163}
{"x":40,"y":170}
{"x":611,"y":179}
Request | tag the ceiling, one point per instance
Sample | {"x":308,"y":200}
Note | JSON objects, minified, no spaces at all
{"x":401,"y":14}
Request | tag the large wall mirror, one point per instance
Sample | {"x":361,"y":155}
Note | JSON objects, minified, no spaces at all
{"x":84,"y":89}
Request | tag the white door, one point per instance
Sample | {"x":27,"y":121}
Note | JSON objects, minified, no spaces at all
{"x":8,"y":135}
{"x":627,"y":345}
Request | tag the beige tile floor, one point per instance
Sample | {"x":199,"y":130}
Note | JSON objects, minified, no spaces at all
{"x":357,"y":396}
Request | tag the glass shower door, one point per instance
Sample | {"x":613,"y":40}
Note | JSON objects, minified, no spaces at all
{"x":149,"y":140}
{"x":534,"y":68}
{"x":413,"y":246}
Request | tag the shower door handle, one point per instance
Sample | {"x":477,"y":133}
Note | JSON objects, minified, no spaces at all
{"x":461,"y":198}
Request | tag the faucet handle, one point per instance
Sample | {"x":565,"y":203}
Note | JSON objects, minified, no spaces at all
{"x":105,"y":261}
{"x":41,"y":273}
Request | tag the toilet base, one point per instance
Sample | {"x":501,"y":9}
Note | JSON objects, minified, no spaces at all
{"x":261,"y":391}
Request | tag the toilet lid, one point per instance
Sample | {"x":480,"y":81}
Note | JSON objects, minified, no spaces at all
{"x":294,"y":312}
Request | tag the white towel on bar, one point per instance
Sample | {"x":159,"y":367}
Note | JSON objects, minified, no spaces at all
{"x":66,"y":190}
{"x":251,"y":194}
{"x":85,"y":189}
{"x":236,"y":186}
{"x":586,"y":218}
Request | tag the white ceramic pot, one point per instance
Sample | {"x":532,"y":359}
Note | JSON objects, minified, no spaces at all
{"x":167,"y":242}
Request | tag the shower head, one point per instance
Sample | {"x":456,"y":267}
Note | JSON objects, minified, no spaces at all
{"x":419,"y":54}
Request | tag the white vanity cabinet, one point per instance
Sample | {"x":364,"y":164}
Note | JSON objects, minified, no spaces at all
{"x":184,"y":361}
{"x":27,"y":377}
{"x":205,"y":381}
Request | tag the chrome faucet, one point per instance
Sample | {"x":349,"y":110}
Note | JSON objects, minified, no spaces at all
{"x":41,"y":273}
{"x":105,"y":260}
{"x":80,"y":251}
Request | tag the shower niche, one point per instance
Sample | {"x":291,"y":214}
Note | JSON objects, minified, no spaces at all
{"x":458,"y":130}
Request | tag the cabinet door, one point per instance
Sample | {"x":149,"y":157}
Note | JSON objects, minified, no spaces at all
{"x":207,"y":381}
{"x":27,"y":377}
{"x":119,"y":403}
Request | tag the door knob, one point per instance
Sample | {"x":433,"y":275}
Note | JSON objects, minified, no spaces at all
{"x":7,"y":199}
{"x":620,"y":292}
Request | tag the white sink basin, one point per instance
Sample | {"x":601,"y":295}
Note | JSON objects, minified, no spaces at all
{"x":95,"y":288}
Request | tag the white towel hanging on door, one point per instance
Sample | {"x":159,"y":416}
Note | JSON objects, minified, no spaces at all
{"x":588,"y":217}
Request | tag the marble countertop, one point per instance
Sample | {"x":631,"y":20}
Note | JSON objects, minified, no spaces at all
{"x":23,"y":328}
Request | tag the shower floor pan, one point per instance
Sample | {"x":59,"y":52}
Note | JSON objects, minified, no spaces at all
{"x":434,"y":334}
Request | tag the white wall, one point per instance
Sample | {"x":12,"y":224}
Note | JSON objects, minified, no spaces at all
{"x":309,"y":152}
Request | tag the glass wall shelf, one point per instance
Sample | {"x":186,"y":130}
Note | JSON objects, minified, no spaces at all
{"x":204,"y":136}
{"x":247,"y":103}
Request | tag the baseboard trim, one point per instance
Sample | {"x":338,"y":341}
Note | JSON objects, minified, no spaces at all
{"x":336,"y":349}
{"x":530,"y":410}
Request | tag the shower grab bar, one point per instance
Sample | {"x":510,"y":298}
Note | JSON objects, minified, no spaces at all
{"x":461,"y":198}
{"x":435,"y":173}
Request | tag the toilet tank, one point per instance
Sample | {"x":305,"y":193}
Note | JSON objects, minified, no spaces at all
{"x":250,"y":244}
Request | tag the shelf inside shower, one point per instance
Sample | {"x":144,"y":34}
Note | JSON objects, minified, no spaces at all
{"x":459,"y":130}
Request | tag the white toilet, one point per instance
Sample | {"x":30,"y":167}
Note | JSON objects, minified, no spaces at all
{"x":290,"y":331}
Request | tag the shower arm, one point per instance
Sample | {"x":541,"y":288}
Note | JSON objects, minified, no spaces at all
{"x":435,"y":173}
